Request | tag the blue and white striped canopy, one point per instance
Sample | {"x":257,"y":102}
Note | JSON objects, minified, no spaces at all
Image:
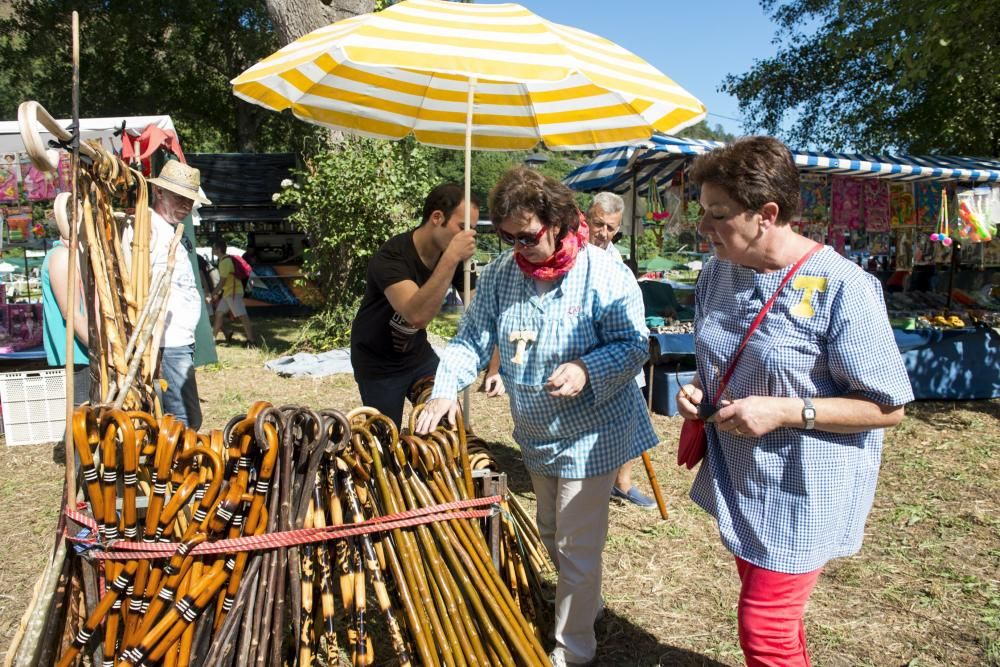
{"x":662,"y":155}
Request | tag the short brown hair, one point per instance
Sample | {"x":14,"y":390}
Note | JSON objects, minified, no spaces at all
{"x":753,"y":171}
{"x":523,"y":190}
{"x":446,"y":198}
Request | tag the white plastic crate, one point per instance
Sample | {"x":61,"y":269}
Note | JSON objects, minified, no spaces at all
{"x":34,"y":406}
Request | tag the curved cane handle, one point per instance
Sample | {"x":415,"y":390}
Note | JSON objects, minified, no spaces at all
{"x":29,"y":115}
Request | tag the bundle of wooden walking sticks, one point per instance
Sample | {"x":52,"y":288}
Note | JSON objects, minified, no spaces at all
{"x":126,"y":306}
{"x":261,"y":543}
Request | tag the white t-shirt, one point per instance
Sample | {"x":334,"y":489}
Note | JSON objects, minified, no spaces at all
{"x":184,"y":300}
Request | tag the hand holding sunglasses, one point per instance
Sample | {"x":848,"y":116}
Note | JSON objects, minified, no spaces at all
{"x":691,"y":393}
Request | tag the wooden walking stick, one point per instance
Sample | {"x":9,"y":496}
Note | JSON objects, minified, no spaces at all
{"x":73,"y":268}
{"x":646,"y":461}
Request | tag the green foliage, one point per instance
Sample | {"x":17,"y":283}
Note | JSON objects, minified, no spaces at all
{"x":489,"y":166}
{"x":488,"y":246}
{"x":647,"y":245}
{"x":557,"y":166}
{"x":693,"y":212}
{"x":144,"y":57}
{"x":351,"y":197}
{"x":703,"y":130}
{"x":879,"y":74}
{"x":327,"y":329}
{"x":445,"y":324}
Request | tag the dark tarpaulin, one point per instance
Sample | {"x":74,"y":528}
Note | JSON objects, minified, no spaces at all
{"x":241,"y":185}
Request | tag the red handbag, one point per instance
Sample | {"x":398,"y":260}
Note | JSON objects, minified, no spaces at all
{"x":691,"y":448}
{"x":693,"y":440}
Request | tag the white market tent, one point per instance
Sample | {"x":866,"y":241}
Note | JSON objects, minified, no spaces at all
{"x":90,"y":128}
{"x":104,"y":129}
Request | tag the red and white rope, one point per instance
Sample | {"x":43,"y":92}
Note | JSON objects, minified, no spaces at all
{"x":125,"y":550}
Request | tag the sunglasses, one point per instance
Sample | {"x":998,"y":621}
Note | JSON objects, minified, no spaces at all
{"x":524,"y":240}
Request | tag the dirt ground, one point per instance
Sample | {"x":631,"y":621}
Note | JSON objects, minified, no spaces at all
{"x":925,"y":589}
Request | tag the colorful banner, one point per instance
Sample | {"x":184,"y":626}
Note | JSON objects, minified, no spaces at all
{"x":928,"y":203}
{"x":845,"y":202}
{"x":903,"y":213}
{"x":815,"y":194}
{"x":875,"y":195}
{"x":10,"y":177}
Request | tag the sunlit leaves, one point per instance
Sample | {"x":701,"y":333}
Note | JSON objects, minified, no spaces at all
{"x":879,"y":74}
{"x":351,"y":197}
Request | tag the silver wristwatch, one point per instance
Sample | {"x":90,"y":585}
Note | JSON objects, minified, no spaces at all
{"x":808,"y":414}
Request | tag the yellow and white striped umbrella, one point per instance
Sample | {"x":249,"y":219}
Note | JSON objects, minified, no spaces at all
{"x":410,"y":68}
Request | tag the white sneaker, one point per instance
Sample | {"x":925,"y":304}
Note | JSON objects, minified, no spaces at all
{"x":558,"y":659}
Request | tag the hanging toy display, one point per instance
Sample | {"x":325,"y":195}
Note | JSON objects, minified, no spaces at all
{"x":943,"y":231}
{"x":974,"y":215}
{"x":655,"y":210}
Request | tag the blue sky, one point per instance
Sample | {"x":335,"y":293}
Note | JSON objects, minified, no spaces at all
{"x":694,"y":42}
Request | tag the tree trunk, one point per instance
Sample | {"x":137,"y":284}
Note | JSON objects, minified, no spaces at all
{"x":294,"y":18}
{"x":248,"y":120}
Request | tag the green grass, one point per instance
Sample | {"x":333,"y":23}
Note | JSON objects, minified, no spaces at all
{"x":924,"y":589}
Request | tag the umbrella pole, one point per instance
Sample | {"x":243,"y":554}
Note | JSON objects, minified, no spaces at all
{"x":634,"y":250}
{"x":467,"y":285}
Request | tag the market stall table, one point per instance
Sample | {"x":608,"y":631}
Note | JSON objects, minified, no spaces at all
{"x":24,"y":355}
{"x":951,"y":365}
{"x":958,"y":364}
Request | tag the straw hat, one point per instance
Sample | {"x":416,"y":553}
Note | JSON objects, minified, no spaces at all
{"x":182,"y":180}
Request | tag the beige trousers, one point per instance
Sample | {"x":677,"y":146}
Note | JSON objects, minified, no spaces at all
{"x":572,"y":519}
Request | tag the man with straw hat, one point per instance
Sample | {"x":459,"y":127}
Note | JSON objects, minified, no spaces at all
{"x":176,"y":190}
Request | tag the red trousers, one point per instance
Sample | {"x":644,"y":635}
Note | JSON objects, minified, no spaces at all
{"x":770,"y":615}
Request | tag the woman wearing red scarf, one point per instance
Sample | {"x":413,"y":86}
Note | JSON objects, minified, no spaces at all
{"x":569,"y":322}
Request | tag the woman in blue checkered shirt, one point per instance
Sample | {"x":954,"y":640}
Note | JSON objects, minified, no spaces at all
{"x":794,"y":448}
{"x":569,"y":321}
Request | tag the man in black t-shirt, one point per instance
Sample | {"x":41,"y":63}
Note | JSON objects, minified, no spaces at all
{"x":408,"y":279}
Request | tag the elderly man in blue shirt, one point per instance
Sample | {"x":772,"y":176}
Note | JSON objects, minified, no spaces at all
{"x":604,"y":217}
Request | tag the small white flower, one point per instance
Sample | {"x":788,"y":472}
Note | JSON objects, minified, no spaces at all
{"x":286,"y":183}
{"x":275,"y":196}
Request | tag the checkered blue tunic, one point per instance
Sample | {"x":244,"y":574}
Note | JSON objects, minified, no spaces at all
{"x":595,"y":314}
{"x":793,"y":499}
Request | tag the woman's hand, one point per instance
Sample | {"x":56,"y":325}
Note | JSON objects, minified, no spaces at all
{"x":753,"y":416}
{"x":493,"y":385}
{"x":688,"y":398}
{"x":432,"y":413}
{"x":568,"y":379}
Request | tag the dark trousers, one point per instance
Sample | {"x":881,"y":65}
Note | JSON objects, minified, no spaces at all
{"x":387,"y":394}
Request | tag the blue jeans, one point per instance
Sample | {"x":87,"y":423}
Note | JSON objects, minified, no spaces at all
{"x":181,"y":396}
{"x":386,"y":394}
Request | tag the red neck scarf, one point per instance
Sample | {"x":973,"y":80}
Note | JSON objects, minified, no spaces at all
{"x":561,"y":261}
